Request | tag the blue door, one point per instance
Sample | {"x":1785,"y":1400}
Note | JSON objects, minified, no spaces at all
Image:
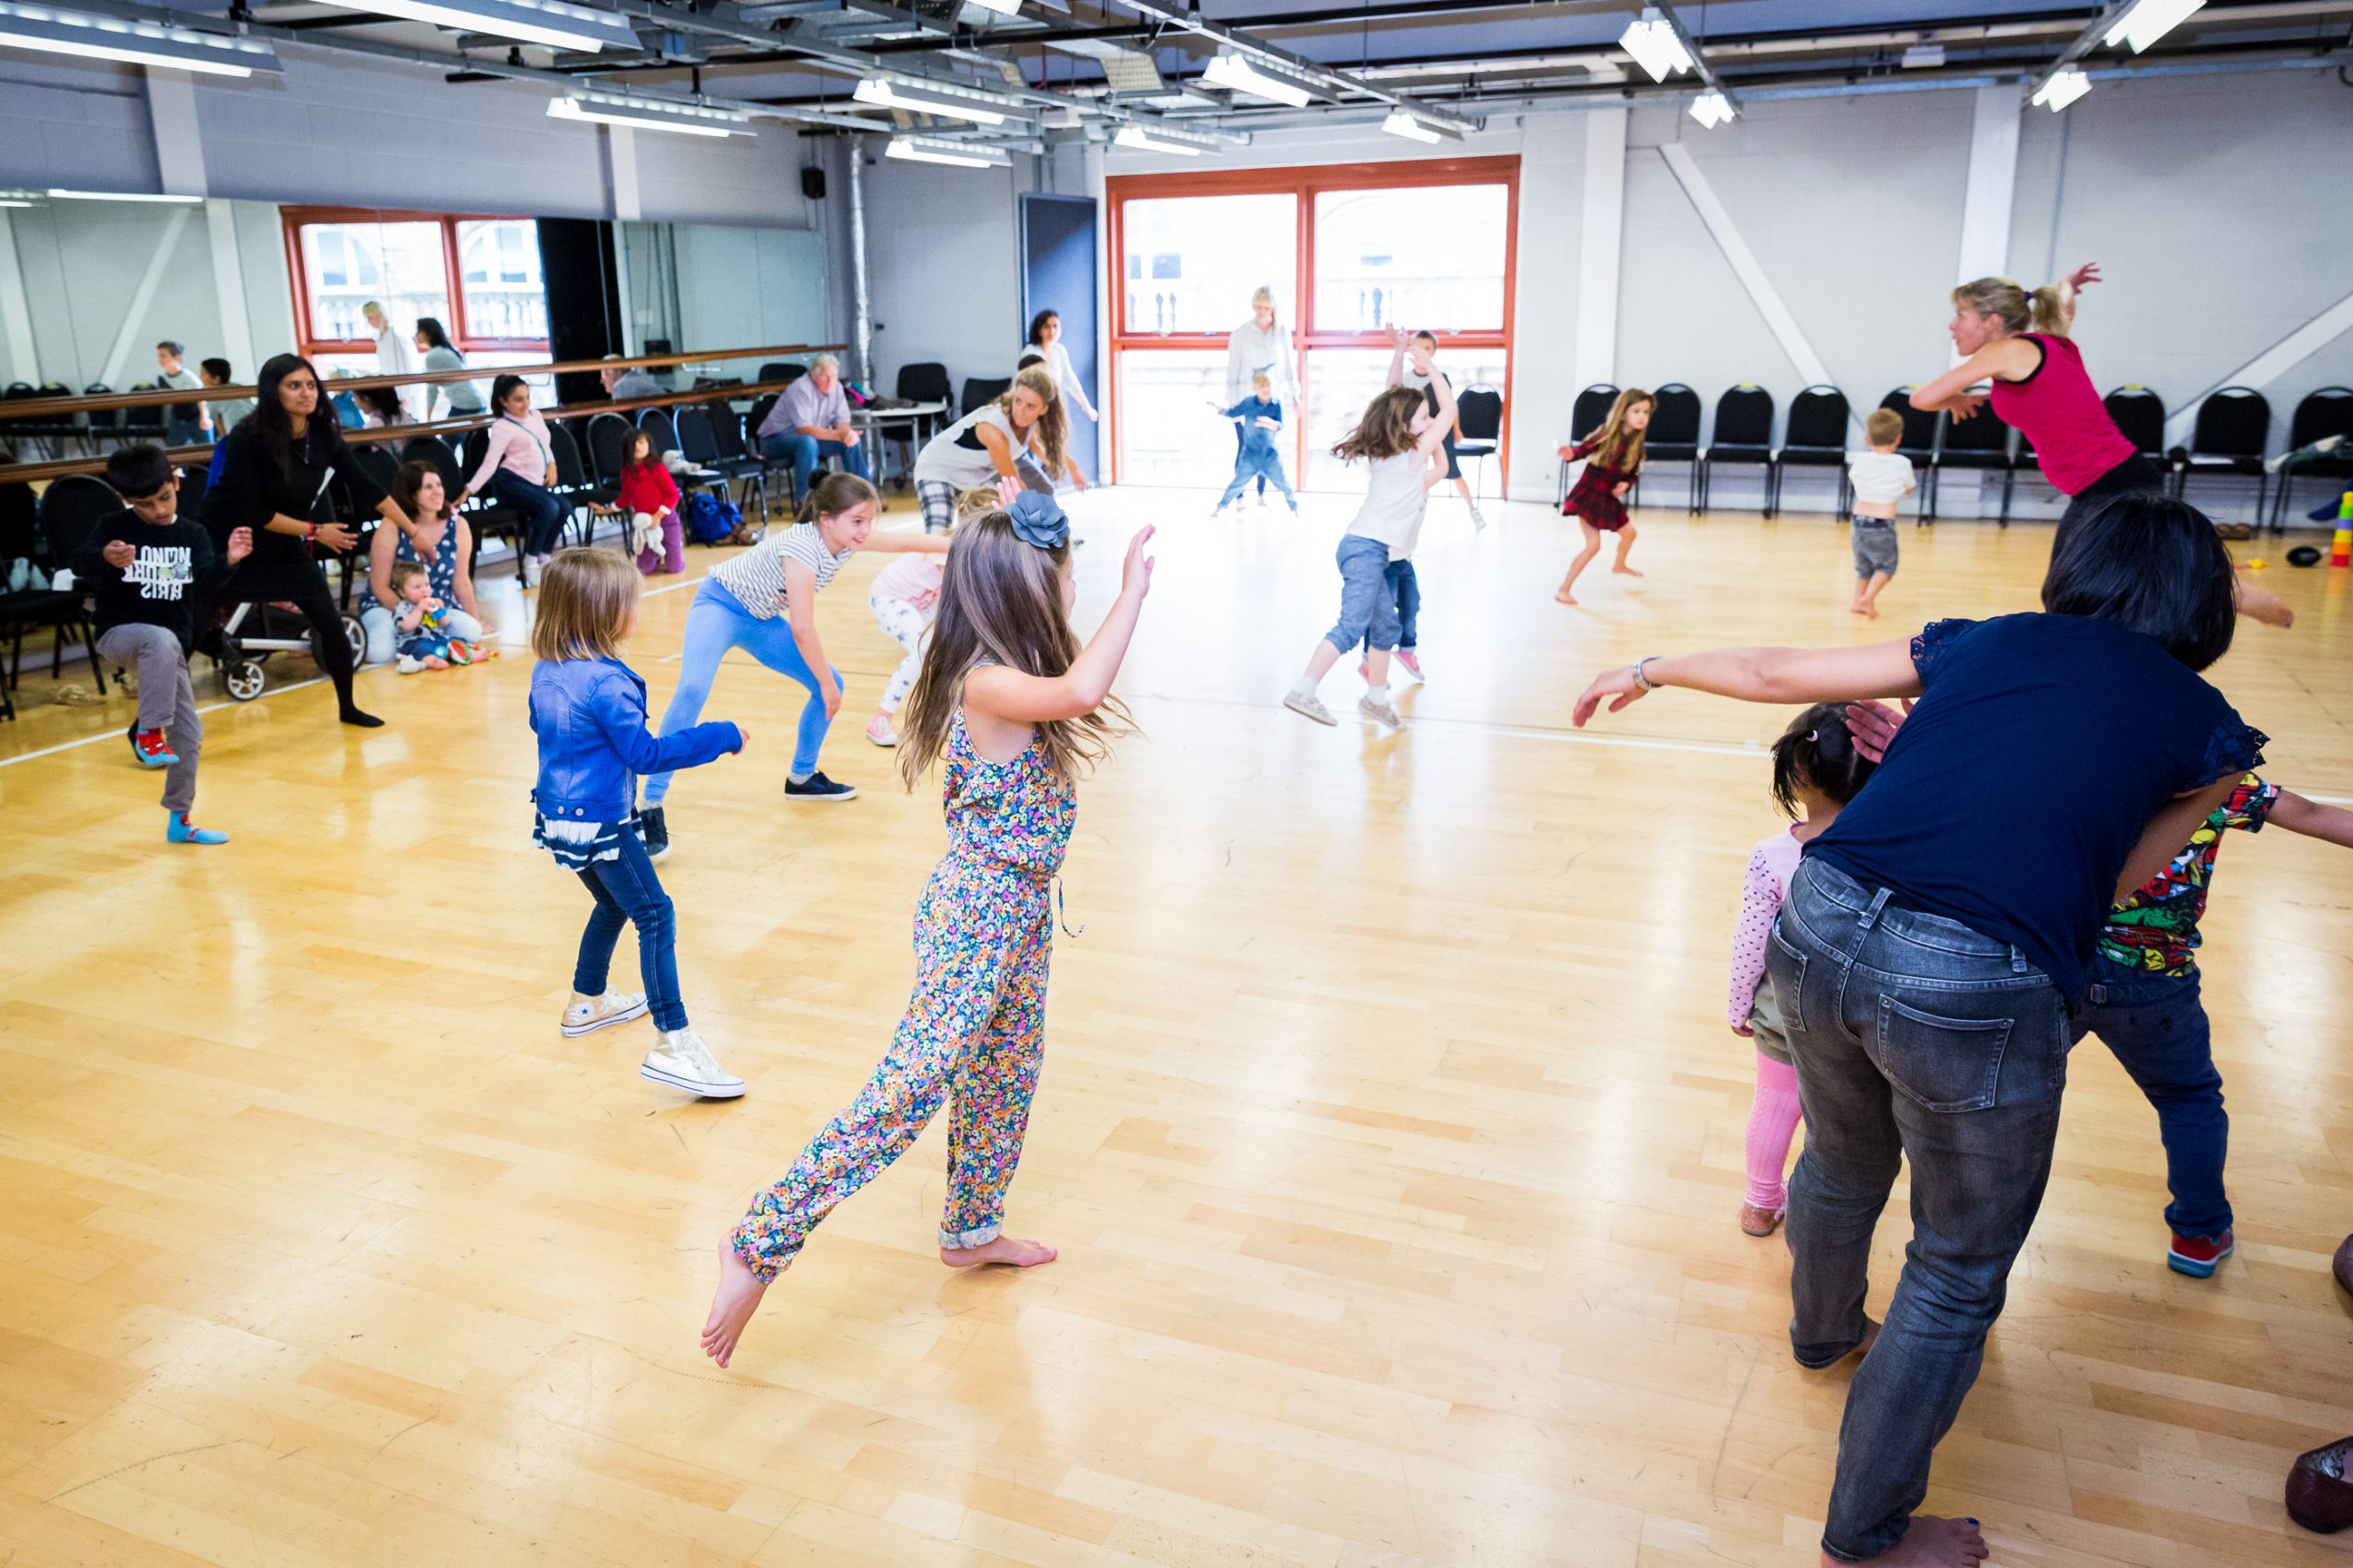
{"x":1058,"y":274}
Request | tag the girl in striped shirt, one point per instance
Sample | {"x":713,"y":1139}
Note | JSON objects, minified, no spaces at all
{"x":765,"y":601}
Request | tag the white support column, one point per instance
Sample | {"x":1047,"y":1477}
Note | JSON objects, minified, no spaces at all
{"x":621,"y":151}
{"x":1600,"y":240}
{"x":1745,"y":265}
{"x":134,"y":315}
{"x":16,"y":310}
{"x":229,"y":287}
{"x":2269,"y":365}
{"x":1993,"y":181}
{"x":179,"y":144}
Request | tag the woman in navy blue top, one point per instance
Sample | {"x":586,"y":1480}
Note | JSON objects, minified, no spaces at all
{"x":1936,"y":935}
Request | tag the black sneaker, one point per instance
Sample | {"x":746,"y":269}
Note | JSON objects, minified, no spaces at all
{"x":656,"y":831}
{"x":817,"y":787}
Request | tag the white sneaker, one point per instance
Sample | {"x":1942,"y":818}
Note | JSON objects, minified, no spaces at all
{"x":1478,"y":519}
{"x":1308,"y":706}
{"x":683,"y":1062}
{"x":409,"y":665}
{"x":1380,"y":712}
{"x":595,"y":1012}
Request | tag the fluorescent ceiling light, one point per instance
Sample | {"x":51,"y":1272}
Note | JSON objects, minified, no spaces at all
{"x":551,"y":22}
{"x":1002,"y":7}
{"x":2149,"y":21}
{"x":962,"y":157}
{"x":119,"y":196}
{"x":1924,"y":56}
{"x":1656,"y":45}
{"x":2063,"y":89}
{"x":651,"y":114}
{"x":1403,"y":121}
{"x":1711,"y":109}
{"x":886,"y":94}
{"x":1145,"y":141}
{"x":51,"y":31}
{"x":1238,"y":75}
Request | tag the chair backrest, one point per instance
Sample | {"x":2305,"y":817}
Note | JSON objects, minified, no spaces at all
{"x":1919,"y":425}
{"x":2141,"y":415}
{"x":569,"y":473}
{"x":140,"y":424}
{"x":762,"y":406}
{"x":195,"y":479}
{"x":1675,"y":418}
{"x":695,"y":438}
{"x":2233,"y":423}
{"x":102,"y":418}
{"x":923,"y":381}
{"x":1744,"y":417}
{"x":1981,"y":432}
{"x":435,"y":450}
{"x":1591,"y":408}
{"x":727,"y":430}
{"x":1817,"y":419}
{"x":1481,"y":413}
{"x":978,"y":391}
{"x":70,"y":508}
{"x":608,"y":446}
{"x":2325,"y":411}
{"x":374,"y":459}
{"x":787,"y":370}
{"x":657,"y":423}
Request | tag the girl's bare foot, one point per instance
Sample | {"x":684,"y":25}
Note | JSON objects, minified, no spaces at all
{"x":1565,"y":597}
{"x":1859,"y":608}
{"x":732,"y":1306}
{"x":1624,"y":571}
{"x":1871,"y":610}
{"x":1004,"y":1249}
{"x":1931,"y":1542}
{"x":1759,"y":1221}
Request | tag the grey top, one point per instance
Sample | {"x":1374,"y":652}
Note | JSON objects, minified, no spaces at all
{"x":462,"y":397}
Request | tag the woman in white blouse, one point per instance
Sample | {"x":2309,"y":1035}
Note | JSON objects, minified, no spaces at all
{"x":1261,"y":343}
{"x":1046,"y":339}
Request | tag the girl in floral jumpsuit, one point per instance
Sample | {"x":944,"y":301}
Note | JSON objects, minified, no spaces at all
{"x":1014,"y":710}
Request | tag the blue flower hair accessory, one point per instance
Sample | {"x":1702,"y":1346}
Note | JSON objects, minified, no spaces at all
{"x":1038,"y":521}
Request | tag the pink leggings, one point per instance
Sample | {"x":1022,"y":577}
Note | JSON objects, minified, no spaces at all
{"x":1772,"y":1122}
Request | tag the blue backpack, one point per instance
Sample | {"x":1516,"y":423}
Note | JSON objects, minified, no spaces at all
{"x":707,"y":519}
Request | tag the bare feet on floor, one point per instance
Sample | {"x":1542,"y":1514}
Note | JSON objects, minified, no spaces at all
{"x":1004,"y":1249}
{"x":1625,"y":571}
{"x":1931,"y":1542}
{"x":1565,"y":597}
{"x":732,"y":1306}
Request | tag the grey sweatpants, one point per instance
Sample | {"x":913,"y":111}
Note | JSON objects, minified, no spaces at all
{"x":166,"y":700}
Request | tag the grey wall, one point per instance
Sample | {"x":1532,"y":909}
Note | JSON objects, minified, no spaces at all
{"x":945,"y":254}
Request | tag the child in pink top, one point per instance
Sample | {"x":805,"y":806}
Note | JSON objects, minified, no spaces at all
{"x":1816,"y":770}
{"x":903,"y":599}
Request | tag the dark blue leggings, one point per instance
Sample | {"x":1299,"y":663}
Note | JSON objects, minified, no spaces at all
{"x":541,"y":509}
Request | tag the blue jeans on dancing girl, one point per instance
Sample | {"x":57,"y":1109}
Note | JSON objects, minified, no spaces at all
{"x":716,"y":622}
{"x":2155,"y":1025}
{"x":628,"y":893}
{"x":1368,"y":601}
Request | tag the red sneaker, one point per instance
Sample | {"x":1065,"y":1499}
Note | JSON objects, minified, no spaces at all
{"x":153,"y":750}
{"x":1411,"y":660}
{"x":2197,"y":1255}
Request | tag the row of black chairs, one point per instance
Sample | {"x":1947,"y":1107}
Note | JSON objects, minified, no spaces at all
{"x":2227,"y":439}
{"x":87,"y":429}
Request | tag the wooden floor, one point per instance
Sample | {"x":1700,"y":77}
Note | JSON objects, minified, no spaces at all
{"x":1391,"y":1130}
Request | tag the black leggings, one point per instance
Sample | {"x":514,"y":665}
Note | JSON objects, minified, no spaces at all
{"x":2136,"y":475}
{"x":318,"y":608}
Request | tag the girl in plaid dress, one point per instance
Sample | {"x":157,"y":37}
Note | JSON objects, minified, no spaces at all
{"x":1613,"y":457}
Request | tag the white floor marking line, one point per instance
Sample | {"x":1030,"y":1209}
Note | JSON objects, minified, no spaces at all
{"x":117,"y":734}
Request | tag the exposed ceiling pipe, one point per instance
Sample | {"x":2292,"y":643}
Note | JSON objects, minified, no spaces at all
{"x":1242,"y":44}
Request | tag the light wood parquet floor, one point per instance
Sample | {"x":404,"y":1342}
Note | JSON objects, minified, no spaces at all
{"x":1390,"y":1128}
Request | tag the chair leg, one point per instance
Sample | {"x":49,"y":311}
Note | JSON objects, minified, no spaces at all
{"x":2009,"y":478}
{"x":90,"y":647}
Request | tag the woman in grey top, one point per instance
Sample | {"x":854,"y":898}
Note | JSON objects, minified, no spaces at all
{"x":461,"y":400}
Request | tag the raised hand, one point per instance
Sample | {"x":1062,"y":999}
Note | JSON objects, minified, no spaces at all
{"x":2087,"y":273}
{"x":1135,"y":573}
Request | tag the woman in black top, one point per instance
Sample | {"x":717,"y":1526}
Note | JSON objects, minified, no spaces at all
{"x":274,"y":472}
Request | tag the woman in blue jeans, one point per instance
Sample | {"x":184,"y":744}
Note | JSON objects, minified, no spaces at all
{"x":1937,"y":938}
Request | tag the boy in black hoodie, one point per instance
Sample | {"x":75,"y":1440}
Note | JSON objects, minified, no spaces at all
{"x":144,"y":565}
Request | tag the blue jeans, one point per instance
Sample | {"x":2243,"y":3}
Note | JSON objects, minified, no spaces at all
{"x":1405,"y":590}
{"x":1914,"y":1037}
{"x":804,"y":453}
{"x":627,"y":893}
{"x":717,"y":621}
{"x":1368,"y":606}
{"x":2157,"y":1026}
{"x":541,"y":509}
{"x":1266,"y":465}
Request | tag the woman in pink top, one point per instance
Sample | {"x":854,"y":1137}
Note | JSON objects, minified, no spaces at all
{"x":518,"y":472}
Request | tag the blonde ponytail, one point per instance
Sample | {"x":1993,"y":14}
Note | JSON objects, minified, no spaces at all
{"x":2048,"y":311}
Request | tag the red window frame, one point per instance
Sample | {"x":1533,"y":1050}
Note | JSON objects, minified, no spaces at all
{"x":292,"y":219}
{"x":1307,"y":184}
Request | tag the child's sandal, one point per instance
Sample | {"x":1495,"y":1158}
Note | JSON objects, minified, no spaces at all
{"x":1759,"y":1221}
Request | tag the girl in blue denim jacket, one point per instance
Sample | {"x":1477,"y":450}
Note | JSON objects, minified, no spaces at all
{"x":588,"y":711}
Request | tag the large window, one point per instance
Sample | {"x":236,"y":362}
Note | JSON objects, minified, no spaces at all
{"x":1348,"y":251}
{"x":479,"y":277}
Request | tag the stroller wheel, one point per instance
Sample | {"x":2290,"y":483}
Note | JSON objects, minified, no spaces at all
{"x":356,"y":635}
{"x":245,"y":679}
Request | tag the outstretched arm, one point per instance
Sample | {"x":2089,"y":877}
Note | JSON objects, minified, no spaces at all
{"x":1951,"y":390}
{"x":1765,"y":675}
{"x":1013,"y":698}
{"x":1397,"y":341}
{"x":2311,"y":819}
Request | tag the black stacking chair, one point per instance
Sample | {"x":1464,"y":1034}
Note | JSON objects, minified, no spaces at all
{"x":70,"y":508}
{"x":658,"y":423}
{"x":608,"y":448}
{"x":978,"y":391}
{"x":583,"y":494}
{"x":785,"y":370}
{"x":698,"y":439}
{"x":1479,"y":429}
{"x":2327,"y":411}
{"x":2141,"y":415}
{"x":1742,"y":437}
{"x":1918,"y":443}
{"x":1980,"y":443}
{"x":1673,"y":436}
{"x":486,"y":519}
{"x":925,"y":381}
{"x":102,"y":425}
{"x":2234,"y":426}
{"x":1585,"y":415}
{"x":1817,"y":438}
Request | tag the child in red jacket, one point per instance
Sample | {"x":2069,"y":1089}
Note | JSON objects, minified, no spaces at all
{"x":649,"y":499}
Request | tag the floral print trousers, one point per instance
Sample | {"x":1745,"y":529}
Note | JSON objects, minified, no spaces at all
{"x":974,"y":1031}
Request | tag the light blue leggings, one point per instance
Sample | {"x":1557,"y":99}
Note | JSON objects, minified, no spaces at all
{"x":717,"y":621}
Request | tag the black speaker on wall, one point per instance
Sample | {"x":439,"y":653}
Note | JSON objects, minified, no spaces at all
{"x":812,"y":183}
{"x":584,"y":299}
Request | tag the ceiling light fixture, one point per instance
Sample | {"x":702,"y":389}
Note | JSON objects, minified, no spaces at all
{"x":651,"y":114}
{"x":1239,"y":76}
{"x":914,"y":151}
{"x":49,"y":31}
{"x":883,"y":93}
{"x":1154,"y":139}
{"x":2149,"y":21}
{"x":119,"y":195}
{"x":1711,"y":108}
{"x":550,"y":22}
{"x":1924,"y":56}
{"x":1655,"y":44}
{"x":2061,"y":89}
{"x":1002,"y":7}
{"x":1403,"y":121}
